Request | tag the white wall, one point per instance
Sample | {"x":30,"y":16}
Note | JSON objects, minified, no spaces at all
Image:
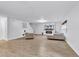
{"x":27,"y":27}
{"x":73,"y":29}
{"x":3,"y":28}
{"x":58,"y":27}
{"x":15,"y":29}
{"x":37,"y":28}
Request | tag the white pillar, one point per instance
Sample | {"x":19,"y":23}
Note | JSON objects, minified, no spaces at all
{"x":3,"y":28}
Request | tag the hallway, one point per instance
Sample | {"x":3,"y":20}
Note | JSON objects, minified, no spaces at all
{"x":37,"y":47}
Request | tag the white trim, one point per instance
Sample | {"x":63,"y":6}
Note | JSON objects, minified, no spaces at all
{"x":72,"y":48}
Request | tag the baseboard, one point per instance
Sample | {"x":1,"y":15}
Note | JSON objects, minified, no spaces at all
{"x":72,"y":47}
{"x":15,"y":38}
{"x":3,"y":40}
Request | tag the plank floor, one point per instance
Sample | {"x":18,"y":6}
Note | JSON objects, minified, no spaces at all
{"x":37,"y":47}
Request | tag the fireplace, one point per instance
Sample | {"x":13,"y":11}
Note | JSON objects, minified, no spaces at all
{"x":48,"y":32}
{"x":49,"y":28}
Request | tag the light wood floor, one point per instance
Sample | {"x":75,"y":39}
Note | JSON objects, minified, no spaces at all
{"x":38,"y":47}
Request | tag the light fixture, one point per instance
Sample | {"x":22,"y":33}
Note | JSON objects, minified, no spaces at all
{"x":42,"y":20}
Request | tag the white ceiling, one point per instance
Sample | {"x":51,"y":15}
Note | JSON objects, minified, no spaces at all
{"x":32,"y":11}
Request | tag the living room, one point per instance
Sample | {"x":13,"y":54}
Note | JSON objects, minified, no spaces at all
{"x":39,"y":29}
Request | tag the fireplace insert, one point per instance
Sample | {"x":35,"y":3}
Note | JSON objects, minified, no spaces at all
{"x":48,"y":32}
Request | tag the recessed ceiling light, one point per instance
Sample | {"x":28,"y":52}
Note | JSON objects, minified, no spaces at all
{"x":42,"y":20}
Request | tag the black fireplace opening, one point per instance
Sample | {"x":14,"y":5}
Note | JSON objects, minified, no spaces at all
{"x":48,"y":32}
